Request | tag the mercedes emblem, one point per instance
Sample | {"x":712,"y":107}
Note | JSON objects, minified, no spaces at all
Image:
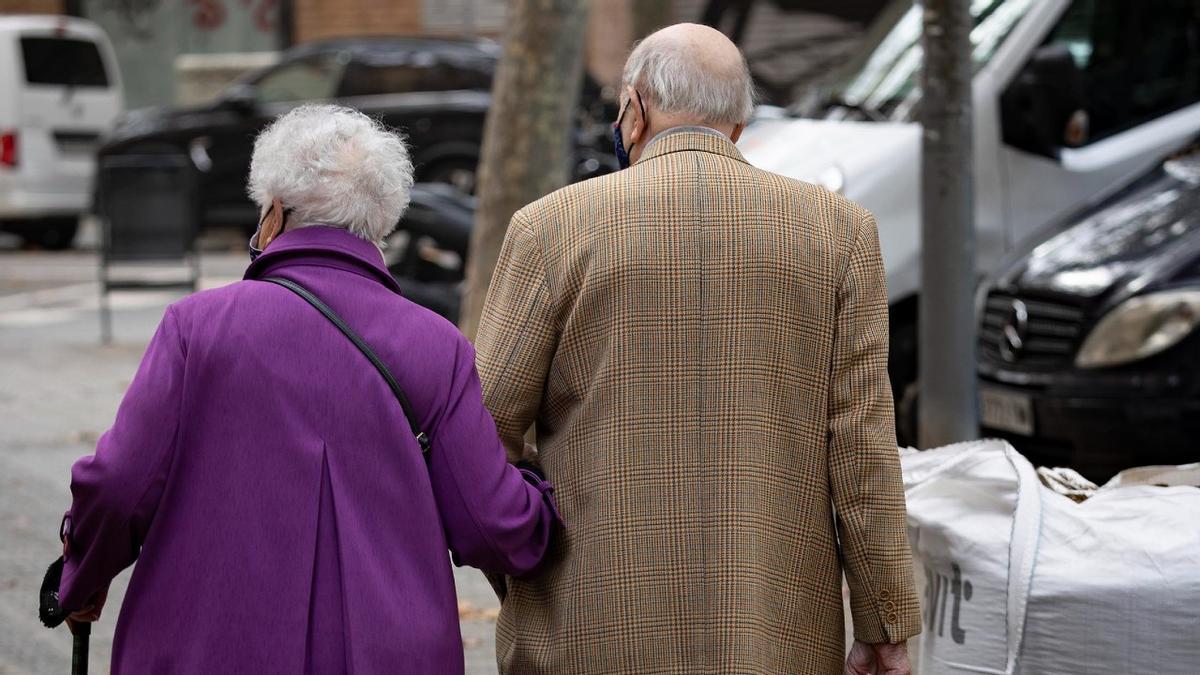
{"x":1015,"y":331}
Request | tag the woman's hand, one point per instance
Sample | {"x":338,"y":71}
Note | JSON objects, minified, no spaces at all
{"x":91,"y":611}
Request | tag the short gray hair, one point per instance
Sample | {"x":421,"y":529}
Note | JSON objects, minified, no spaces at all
{"x":332,"y":165}
{"x":676,"y":82}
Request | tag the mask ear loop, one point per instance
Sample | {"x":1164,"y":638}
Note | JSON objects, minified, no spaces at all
{"x":621,"y":114}
{"x":645,"y":117}
{"x":618,"y":141}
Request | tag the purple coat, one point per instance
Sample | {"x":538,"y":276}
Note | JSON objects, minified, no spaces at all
{"x":265,"y":478}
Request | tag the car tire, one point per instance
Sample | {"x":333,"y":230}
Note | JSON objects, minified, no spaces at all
{"x":54,"y":234}
{"x":59,"y":234}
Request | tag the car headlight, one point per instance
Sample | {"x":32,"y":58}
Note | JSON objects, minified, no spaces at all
{"x":1139,"y":327}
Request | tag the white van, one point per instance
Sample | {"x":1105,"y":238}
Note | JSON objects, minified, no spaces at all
{"x":60,"y":94}
{"x":1072,"y":99}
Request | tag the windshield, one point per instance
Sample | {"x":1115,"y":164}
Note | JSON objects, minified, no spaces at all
{"x":884,"y":83}
{"x":309,"y":78}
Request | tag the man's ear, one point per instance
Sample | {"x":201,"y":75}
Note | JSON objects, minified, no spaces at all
{"x":737,"y":132}
{"x":637,"y":131}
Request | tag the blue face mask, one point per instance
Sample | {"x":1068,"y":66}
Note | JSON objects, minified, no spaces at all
{"x":619,"y":142}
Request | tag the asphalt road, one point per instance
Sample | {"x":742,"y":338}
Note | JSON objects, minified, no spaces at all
{"x":59,"y":390}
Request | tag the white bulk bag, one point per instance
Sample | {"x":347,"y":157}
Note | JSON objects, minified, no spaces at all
{"x":1020,"y":579}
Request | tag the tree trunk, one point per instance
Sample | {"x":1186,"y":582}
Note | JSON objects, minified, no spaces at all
{"x":527,"y":144}
{"x":649,"y":16}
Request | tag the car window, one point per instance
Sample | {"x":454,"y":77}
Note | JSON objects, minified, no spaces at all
{"x":311,"y":78}
{"x":63,"y":61}
{"x":1138,"y":60}
{"x":409,"y":72}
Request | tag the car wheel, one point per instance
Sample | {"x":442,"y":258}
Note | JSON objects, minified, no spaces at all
{"x":54,"y":234}
{"x":458,"y":172}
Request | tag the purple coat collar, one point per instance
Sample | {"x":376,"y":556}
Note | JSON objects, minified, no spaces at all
{"x":331,"y":246}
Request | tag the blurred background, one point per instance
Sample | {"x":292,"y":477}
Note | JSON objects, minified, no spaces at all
{"x":126,"y":128}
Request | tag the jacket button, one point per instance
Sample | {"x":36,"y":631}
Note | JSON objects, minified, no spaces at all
{"x":892,"y":617}
{"x":884,"y":594}
{"x":889,"y":606}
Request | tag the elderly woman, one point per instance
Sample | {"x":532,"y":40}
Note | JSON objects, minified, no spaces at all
{"x":284,"y":515}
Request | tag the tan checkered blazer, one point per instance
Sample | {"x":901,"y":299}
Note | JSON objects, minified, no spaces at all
{"x":703,"y":348}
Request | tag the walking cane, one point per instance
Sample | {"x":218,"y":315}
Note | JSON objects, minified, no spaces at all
{"x":51,"y":613}
{"x":81,"y":633}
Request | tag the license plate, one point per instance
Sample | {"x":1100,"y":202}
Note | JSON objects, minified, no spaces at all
{"x":1006,"y":411}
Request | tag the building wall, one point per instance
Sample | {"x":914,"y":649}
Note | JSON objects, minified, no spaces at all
{"x":149,"y":36}
{"x":31,"y":6}
{"x":464,"y":17}
{"x":317,"y":19}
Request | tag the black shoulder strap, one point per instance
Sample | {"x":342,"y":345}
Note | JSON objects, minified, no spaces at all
{"x":336,"y":320}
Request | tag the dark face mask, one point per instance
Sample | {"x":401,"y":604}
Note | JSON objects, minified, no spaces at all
{"x":255,"y":251}
{"x":618,"y":141}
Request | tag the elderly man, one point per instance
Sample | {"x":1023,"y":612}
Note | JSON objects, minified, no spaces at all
{"x":703,"y":347}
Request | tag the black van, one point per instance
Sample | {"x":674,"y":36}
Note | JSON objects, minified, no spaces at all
{"x":1089,"y":353}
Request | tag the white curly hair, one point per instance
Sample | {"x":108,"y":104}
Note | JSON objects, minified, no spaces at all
{"x":332,"y":165}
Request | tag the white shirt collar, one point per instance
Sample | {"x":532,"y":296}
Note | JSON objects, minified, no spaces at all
{"x":678,"y":130}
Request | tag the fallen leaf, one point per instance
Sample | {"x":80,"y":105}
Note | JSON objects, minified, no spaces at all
{"x":469,"y":612}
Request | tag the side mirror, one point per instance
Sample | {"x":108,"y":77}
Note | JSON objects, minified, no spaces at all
{"x":1043,"y":108}
{"x":241,"y":98}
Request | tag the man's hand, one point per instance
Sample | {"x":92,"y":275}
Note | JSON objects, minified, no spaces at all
{"x":878,"y":659}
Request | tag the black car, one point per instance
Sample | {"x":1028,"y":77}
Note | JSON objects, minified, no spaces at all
{"x":436,"y":90}
{"x":427,"y":253}
{"x":1089,"y":353}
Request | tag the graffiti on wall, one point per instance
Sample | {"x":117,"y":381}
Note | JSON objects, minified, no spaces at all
{"x":211,"y":14}
{"x":138,"y":16}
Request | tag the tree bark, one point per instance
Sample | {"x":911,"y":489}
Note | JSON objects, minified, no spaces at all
{"x":527,"y":144}
{"x":649,"y":16}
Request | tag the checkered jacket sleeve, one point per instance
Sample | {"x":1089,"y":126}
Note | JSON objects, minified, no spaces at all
{"x":516,"y":337}
{"x":864,"y":466}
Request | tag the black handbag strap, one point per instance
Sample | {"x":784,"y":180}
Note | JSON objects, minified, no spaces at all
{"x":336,"y":320}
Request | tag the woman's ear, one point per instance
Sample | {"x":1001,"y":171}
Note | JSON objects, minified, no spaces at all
{"x":272,"y":224}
